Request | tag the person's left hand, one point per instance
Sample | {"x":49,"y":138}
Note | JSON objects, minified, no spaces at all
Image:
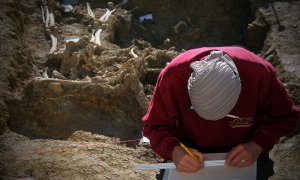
{"x":243,"y":155}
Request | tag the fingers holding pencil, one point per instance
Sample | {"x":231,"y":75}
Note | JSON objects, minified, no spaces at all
{"x":186,"y":159}
{"x":192,"y":152}
{"x":200,"y":156}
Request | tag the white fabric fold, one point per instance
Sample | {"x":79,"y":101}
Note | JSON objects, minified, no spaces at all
{"x":214,"y":86}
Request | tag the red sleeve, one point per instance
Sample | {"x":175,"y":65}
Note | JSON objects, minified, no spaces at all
{"x":160,"y":120}
{"x":277,"y":114}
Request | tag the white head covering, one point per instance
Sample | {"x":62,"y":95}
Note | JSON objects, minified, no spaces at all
{"x":214,"y":86}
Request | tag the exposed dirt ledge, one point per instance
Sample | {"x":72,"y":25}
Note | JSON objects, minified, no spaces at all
{"x":21,"y":157}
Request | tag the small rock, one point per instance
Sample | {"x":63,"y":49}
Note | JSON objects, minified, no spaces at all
{"x":110,"y":5}
{"x":270,"y":57}
{"x":55,"y":87}
{"x":167,"y":43}
{"x":180,"y":27}
{"x":73,"y":73}
{"x":87,"y":78}
{"x":58,"y":75}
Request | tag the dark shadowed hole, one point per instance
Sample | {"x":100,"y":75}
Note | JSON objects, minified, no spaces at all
{"x":187,"y":24}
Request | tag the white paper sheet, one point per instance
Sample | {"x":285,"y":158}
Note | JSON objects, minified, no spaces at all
{"x":214,"y":172}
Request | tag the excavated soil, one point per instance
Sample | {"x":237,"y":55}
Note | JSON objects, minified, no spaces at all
{"x":73,"y":111}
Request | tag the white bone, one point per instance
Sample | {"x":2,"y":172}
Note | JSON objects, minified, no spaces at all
{"x":54,"y":43}
{"x":90,"y":12}
{"x":97,"y":37}
{"x":93,"y":36}
{"x":132,"y":53}
{"x":43,"y":14}
{"x":45,"y":75}
{"x":105,"y":16}
{"x":47,"y":17}
{"x":52,"y":21}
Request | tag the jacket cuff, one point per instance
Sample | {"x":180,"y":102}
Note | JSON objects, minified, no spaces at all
{"x":169,"y":145}
{"x":264,"y":142}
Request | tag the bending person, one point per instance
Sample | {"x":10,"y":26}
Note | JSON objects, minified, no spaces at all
{"x":219,"y":99}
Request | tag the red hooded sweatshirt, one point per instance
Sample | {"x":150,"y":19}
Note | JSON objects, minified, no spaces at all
{"x":264,"y":108}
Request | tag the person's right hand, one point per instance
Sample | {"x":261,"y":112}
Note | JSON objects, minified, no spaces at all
{"x":184,"y":162}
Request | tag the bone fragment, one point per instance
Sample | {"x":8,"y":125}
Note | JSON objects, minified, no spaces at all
{"x":58,"y":75}
{"x":90,"y":12}
{"x":98,"y":37}
{"x":105,"y":16}
{"x":132,"y":53}
{"x":61,"y":81}
{"x":54,"y":44}
{"x":52,"y":21}
{"x":43,"y":14}
{"x":45,"y":75}
{"x":70,"y":60}
{"x":93,"y":36}
{"x":47,"y":17}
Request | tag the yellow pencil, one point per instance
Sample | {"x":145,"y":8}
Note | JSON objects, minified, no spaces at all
{"x":188,"y":151}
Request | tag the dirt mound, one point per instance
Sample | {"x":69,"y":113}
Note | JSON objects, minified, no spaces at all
{"x":84,"y":159}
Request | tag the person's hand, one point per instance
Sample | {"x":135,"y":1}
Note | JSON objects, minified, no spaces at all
{"x":186,"y":163}
{"x":243,"y":155}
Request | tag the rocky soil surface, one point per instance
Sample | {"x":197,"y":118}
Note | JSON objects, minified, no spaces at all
{"x":82,"y":156}
{"x":74,"y":85}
